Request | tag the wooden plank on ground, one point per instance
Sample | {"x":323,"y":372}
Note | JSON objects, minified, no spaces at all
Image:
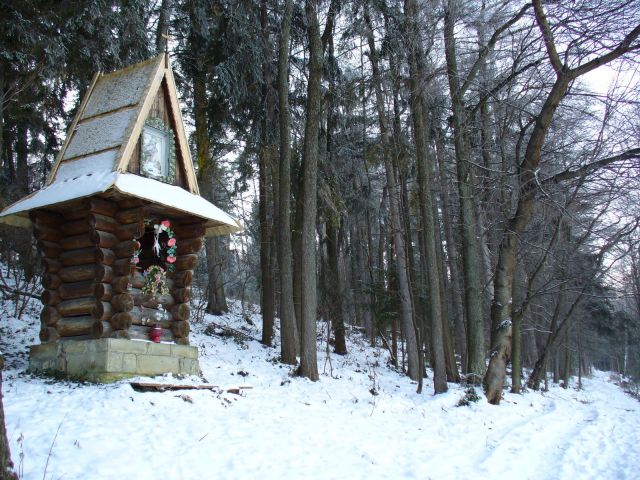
{"x":167,"y":387}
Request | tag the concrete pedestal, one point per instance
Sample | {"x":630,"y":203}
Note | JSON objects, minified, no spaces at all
{"x":110,"y":359}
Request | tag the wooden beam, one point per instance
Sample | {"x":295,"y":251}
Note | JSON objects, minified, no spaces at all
{"x":133,"y":130}
{"x":181,"y":135}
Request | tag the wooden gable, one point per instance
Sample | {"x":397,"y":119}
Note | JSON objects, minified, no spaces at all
{"x":106,"y":132}
{"x":161,"y":109}
{"x":123,"y":117}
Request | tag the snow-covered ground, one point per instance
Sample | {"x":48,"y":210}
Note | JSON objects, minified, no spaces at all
{"x":288,"y":427}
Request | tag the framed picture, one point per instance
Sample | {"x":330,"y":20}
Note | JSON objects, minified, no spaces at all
{"x":157,"y":152}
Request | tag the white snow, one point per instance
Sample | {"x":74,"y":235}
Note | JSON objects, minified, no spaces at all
{"x":100,"y":133}
{"x":71,"y":188}
{"x":86,"y":184}
{"x":289,"y":427}
{"x":121,"y":88}
{"x":177,"y":198}
{"x":99,"y":162}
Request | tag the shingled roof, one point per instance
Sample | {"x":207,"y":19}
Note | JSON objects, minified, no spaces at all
{"x":100,"y":144}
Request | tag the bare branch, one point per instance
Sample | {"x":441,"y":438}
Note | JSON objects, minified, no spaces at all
{"x":484,"y":51}
{"x":623,"y":47}
{"x":634,"y":153}
{"x":547,"y":35}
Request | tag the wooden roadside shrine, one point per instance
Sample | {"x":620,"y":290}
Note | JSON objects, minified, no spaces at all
{"x":119,"y":225}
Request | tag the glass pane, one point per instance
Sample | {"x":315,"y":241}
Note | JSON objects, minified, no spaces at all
{"x":154,"y":158}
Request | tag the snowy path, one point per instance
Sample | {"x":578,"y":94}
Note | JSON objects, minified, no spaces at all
{"x":288,"y":427}
{"x":604,"y":444}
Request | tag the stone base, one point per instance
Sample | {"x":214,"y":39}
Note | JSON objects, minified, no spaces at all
{"x":110,"y":359}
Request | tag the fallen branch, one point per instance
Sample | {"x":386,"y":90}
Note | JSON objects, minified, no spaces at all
{"x":166,"y":387}
{"x":233,"y":330}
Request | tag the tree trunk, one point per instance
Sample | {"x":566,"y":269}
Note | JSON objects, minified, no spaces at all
{"x":266,"y":162}
{"x":6,"y":465}
{"x":567,"y":364}
{"x":22,"y":158}
{"x":470,"y":249}
{"x":216,"y":300}
{"x":456,"y":290}
{"x":447,"y":339}
{"x":516,"y":358}
{"x":333,"y":221}
{"x":162,"y":32}
{"x":404,"y":290}
{"x":334,"y":289}
{"x":417,"y":105}
{"x":501,"y":308}
{"x":288,"y":330}
{"x":308,"y":347}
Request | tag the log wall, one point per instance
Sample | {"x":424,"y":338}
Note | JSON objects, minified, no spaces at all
{"x":190,"y":236}
{"x":91,"y":289}
{"x":77,"y":249}
{"x":130,"y":226}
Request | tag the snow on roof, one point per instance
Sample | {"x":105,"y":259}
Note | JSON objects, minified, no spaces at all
{"x":101,"y":141}
{"x":81,"y":166}
{"x":179,"y":199}
{"x":87,"y":184}
{"x":58,"y":192}
{"x":113,"y":105}
{"x":100,"y":133}
{"x":119,"y":89}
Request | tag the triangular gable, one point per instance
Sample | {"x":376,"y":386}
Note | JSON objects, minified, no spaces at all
{"x":106,"y":130}
{"x":103,"y":143}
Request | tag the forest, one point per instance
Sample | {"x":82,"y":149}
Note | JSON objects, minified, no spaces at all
{"x":459,"y":180}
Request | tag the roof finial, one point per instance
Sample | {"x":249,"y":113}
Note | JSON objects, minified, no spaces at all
{"x":167,"y":37}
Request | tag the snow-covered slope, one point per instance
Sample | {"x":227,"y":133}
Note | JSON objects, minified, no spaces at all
{"x":288,"y":427}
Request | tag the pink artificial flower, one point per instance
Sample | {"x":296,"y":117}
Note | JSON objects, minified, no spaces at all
{"x":171,"y":259}
{"x":135,"y":260}
{"x":158,"y":278}
{"x":166,"y":223}
{"x":171,"y":242}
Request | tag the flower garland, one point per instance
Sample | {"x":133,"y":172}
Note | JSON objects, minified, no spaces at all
{"x":155,"y":276}
{"x":171,"y":245}
{"x":155,"y":281}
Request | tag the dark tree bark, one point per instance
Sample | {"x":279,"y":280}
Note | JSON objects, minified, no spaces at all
{"x":296,"y":247}
{"x":266,"y":160}
{"x":447,"y":338}
{"x":333,"y":221}
{"x":334,"y":290}
{"x":288,"y":330}
{"x":309,"y":301}
{"x":402,"y":278}
{"x":470,"y":249}
{"x":22,"y":158}
{"x":162,"y":31}
{"x":417,"y":105}
{"x":452,"y":257}
{"x":216,"y":300}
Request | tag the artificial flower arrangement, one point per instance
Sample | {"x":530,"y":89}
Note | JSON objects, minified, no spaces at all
{"x":155,"y":275}
{"x":155,"y":281}
{"x":171,"y":244}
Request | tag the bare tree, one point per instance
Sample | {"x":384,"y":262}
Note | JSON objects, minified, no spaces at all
{"x":567,"y":67}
